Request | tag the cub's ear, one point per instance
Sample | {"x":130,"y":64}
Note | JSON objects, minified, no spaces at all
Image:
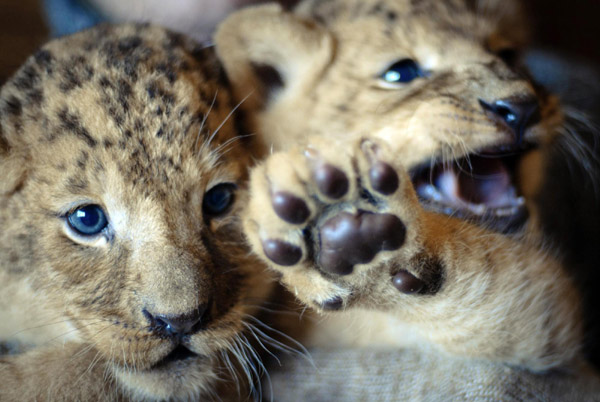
{"x":509,"y":16}
{"x":269,"y":53}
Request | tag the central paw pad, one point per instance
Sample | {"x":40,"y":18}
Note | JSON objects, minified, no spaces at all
{"x":350,"y":239}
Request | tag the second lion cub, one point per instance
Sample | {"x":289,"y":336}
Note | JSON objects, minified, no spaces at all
{"x":409,"y":149}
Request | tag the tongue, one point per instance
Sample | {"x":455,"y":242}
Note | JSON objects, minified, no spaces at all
{"x":484,"y":181}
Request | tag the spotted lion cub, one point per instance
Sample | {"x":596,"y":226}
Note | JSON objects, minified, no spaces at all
{"x":408,"y":149}
{"x":122,"y":270}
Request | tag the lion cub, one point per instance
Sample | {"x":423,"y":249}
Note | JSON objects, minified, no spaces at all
{"x":408,"y":152}
{"x":122,"y":269}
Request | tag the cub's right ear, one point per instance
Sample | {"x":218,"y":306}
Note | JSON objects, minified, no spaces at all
{"x":270,"y":54}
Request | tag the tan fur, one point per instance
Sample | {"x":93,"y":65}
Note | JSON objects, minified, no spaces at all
{"x":504,"y":297}
{"x":136,"y":120}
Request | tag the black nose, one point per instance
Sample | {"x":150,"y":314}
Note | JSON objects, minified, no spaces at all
{"x":178,"y":325}
{"x":518,"y":114}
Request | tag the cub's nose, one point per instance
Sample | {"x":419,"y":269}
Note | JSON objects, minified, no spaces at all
{"x":178,"y":325}
{"x":518,"y":113}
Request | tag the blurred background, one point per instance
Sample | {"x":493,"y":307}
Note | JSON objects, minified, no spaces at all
{"x":572,"y":27}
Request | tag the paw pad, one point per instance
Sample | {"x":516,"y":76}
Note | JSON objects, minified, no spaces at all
{"x":290,"y":208}
{"x":282,"y":253}
{"x":331,"y":181}
{"x":350,"y":239}
{"x":384,"y":178}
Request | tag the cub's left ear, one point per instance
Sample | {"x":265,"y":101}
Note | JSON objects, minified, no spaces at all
{"x":509,"y":19}
{"x":269,"y":53}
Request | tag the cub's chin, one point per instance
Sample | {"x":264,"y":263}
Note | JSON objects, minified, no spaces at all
{"x":181,"y":375}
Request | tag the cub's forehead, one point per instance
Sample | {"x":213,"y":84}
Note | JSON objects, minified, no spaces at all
{"x":340,"y":11}
{"x":115,"y":91}
{"x":137,"y":104}
{"x":422,"y":18}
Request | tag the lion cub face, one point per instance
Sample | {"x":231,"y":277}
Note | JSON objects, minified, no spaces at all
{"x":437,"y":80}
{"x":121,"y":181}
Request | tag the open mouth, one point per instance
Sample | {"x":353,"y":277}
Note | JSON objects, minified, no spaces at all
{"x":479,"y":187}
{"x":180,"y":353}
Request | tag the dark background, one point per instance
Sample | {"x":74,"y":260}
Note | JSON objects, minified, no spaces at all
{"x":572,"y":27}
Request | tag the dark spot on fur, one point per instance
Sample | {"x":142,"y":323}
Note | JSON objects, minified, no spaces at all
{"x":130,"y":43}
{"x":138,"y":126}
{"x":4,"y":147}
{"x":155,"y":90}
{"x":26,"y":79}
{"x":26,"y":246}
{"x":174,"y":39}
{"x":104,"y":82}
{"x":13,"y":257}
{"x":126,"y":55}
{"x":74,"y":73}
{"x":82,"y":161}
{"x":124,"y":93}
{"x":117,"y":116}
{"x":151,"y":90}
{"x":76,"y":185}
{"x":71,"y":123}
{"x":13,"y":106}
{"x":35,"y":97}
{"x":44,"y":59}
{"x":167,"y":71}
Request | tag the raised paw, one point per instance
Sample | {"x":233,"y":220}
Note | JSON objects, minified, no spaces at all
{"x":333,"y":220}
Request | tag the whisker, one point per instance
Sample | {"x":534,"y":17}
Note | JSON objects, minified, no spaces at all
{"x":210,"y":139}
{"x":205,"y":118}
{"x":251,"y":329}
{"x":301,"y":351}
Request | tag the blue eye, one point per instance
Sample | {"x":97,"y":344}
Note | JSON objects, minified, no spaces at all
{"x":218,"y":199}
{"x":402,"y":71}
{"x":88,"y":220}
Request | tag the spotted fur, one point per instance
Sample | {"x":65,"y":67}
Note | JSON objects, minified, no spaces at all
{"x":139,"y":121}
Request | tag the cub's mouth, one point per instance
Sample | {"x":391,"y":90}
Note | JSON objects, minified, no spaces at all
{"x":480,"y":187}
{"x":178,"y":355}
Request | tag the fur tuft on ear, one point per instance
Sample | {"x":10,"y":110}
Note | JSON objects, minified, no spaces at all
{"x":268,"y":52}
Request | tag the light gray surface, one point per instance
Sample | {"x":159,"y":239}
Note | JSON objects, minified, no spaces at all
{"x":409,"y":375}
